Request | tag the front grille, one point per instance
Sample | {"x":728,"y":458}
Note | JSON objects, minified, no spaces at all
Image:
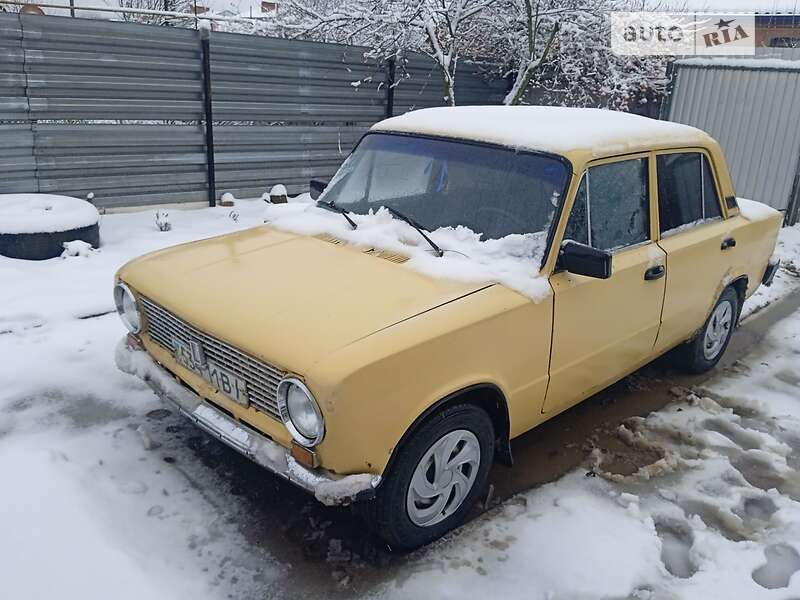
{"x":262,"y":379}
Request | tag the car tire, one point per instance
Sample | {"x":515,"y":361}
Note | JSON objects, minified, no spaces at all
{"x":407,"y":520}
{"x":704,"y":351}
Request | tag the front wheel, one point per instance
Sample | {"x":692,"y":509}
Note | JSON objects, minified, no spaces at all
{"x":436,"y":478}
{"x":704,"y":351}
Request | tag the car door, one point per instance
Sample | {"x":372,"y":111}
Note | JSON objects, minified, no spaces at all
{"x":604,"y":329}
{"x":696,"y":238}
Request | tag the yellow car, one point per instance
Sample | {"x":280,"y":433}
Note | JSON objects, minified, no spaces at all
{"x":468,"y":274}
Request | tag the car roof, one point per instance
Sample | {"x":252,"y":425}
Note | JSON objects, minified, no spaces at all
{"x":578,"y":133}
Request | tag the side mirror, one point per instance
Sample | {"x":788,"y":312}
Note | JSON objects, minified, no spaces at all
{"x":317,"y":186}
{"x":584,"y":260}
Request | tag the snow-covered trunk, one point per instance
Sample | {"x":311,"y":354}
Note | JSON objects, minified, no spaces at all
{"x":449,"y":87}
{"x":524,"y":75}
{"x":443,"y":60}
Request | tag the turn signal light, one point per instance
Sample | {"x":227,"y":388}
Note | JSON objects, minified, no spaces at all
{"x":305,"y":456}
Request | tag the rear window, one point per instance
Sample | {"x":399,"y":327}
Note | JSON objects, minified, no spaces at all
{"x":687,"y":195}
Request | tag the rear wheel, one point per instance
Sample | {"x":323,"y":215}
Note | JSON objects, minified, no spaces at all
{"x":436,"y":478}
{"x":704,"y":351}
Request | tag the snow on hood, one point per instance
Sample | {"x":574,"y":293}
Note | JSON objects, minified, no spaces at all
{"x":512,"y":261}
{"x":545,"y":128}
{"x":40,"y":213}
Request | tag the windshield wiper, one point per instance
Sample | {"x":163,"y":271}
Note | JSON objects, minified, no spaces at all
{"x":420,"y":228}
{"x":331,"y":206}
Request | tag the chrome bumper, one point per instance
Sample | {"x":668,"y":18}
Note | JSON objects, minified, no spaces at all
{"x":328,"y":488}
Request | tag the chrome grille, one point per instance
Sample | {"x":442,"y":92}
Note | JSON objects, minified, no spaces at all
{"x":262,"y":379}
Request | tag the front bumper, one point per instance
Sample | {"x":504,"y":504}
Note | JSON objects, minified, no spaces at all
{"x":328,"y":488}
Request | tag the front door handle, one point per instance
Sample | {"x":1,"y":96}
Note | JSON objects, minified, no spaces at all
{"x":727,"y":243}
{"x":654,"y":273}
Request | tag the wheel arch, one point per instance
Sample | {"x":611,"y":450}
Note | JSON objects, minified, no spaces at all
{"x":487,"y":396}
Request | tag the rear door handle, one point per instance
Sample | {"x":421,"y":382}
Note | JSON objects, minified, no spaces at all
{"x":654,"y":273}
{"x":727,"y":243}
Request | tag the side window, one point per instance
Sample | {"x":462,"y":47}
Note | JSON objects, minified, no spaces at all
{"x":612,"y":206}
{"x":686,"y":191}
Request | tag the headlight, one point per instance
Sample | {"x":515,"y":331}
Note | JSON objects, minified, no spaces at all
{"x":300,"y":412}
{"x":126,"y":307}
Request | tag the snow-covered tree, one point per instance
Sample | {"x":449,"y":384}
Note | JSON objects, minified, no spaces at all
{"x":183,"y":6}
{"x":585,"y":72}
{"x":439,"y":28}
{"x":558,"y":52}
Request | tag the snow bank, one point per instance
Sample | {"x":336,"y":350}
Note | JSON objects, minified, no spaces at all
{"x":512,"y":261}
{"x":547,"y":128}
{"x":567,"y":540}
{"x":42,"y":213}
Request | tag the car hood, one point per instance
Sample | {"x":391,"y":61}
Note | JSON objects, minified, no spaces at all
{"x":284,"y":298}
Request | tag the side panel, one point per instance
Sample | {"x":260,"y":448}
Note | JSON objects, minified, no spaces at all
{"x":697,"y":272}
{"x":494,"y":336}
{"x":604,"y":329}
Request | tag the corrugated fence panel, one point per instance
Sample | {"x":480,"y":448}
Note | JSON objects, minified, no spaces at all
{"x":13,"y":103}
{"x":753,"y":113}
{"x":250,"y":160}
{"x":17,"y":164}
{"x":270,"y":79}
{"x":93,"y":69}
{"x":420,"y":85}
{"x":123,"y":165}
{"x":285,"y":111}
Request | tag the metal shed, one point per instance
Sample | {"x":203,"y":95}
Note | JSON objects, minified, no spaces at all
{"x":752,"y":107}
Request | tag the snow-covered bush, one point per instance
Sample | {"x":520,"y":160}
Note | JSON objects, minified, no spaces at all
{"x":162,"y":221}
{"x":77,"y":248}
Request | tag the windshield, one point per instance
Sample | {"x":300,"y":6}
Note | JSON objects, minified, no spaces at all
{"x":439,"y":183}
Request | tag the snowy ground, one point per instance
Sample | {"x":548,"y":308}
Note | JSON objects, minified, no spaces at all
{"x":106,"y":494}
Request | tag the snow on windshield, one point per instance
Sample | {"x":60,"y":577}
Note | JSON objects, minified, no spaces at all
{"x":512,"y":261}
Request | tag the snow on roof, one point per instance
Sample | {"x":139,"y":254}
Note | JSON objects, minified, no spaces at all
{"x":547,"y":128}
{"x":742,"y":63}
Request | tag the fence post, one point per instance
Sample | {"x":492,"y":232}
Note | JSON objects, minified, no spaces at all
{"x":205,"y":50}
{"x":390,"y":64}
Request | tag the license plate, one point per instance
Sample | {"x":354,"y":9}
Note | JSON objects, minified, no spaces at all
{"x":226,"y":382}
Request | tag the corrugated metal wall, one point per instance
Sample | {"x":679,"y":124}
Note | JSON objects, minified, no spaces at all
{"x":754,"y":112}
{"x":116,"y":109}
{"x":425,"y":88}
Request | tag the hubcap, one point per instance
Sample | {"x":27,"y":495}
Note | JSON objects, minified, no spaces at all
{"x":443,"y":478}
{"x":717,"y":330}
